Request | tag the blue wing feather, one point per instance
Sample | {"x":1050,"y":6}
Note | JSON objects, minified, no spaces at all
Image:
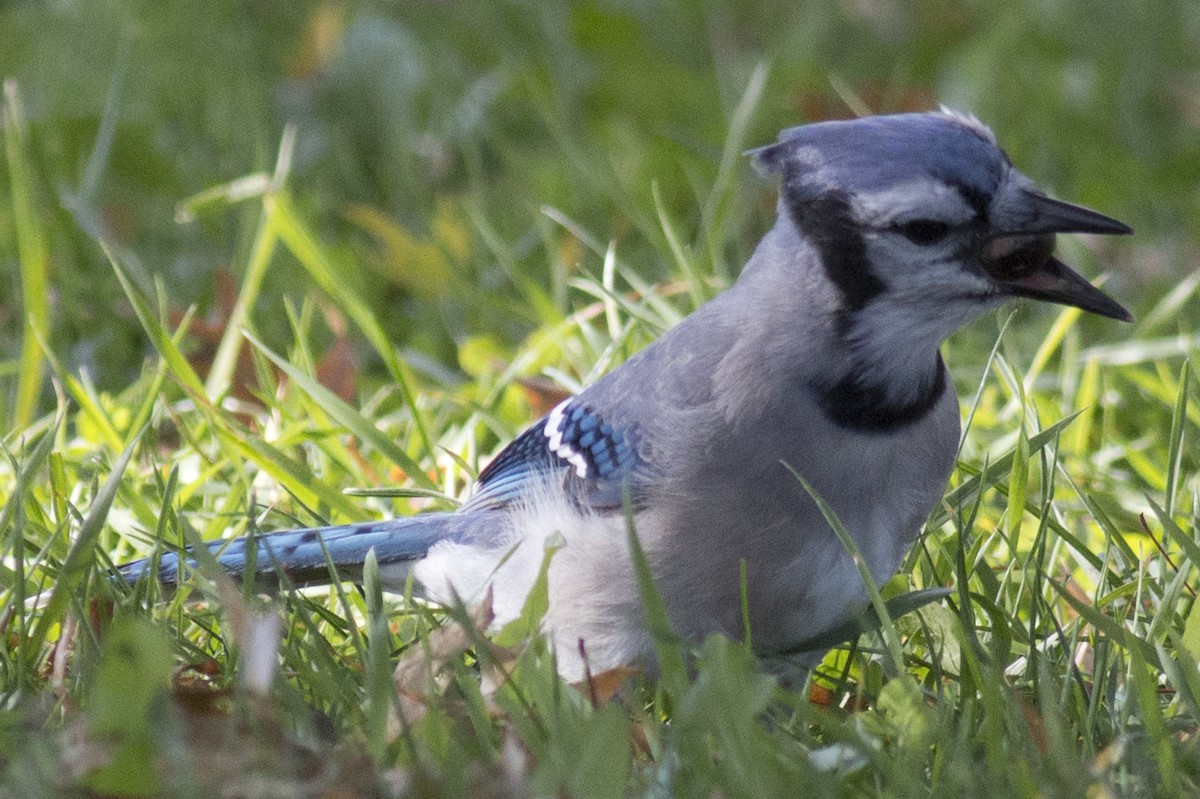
{"x":599,"y":465}
{"x":597,"y":461}
{"x":525,"y":459}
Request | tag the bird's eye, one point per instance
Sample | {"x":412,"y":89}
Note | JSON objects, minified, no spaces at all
{"x":924,"y":231}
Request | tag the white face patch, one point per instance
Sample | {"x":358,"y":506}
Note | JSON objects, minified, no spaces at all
{"x":893,"y":342}
{"x":920,"y":198}
{"x":926,"y":281}
{"x":816,"y":172}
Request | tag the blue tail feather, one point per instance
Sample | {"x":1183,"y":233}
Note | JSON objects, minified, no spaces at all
{"x":300,"y":554}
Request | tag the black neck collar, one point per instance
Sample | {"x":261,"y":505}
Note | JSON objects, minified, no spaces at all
{"x":855,"y":404}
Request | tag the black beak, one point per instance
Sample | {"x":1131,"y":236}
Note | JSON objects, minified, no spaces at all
{"x":1022,"y":262}
{"x":1056,"y":282}
{"x":1055,"y":216}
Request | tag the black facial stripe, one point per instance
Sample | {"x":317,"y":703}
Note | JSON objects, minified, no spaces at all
{"x":856,"y":406}
{"x":827,"y":222}
{"x":978,"y":197}
{"x":972,"y":196}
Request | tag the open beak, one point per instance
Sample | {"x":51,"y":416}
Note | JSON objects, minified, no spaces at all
{"x":1022,"y":263}
{"x":1056,"y":282}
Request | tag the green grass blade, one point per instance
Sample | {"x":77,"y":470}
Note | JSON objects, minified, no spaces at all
{"x":224,"y":364}
{"x":154,"y":391}
{"x":1175,"y":533}
{"x":683,"y":261}
{"x":162,"y":341}
{"x":220,"y":376}
{"x":1018,"y":489}
{"x":81,"y":557}
{"x":403,"y":492}
{"x":537,"y":602}
{"x":33,"y":256}
{"x":1086,"y":400}
{"x":1052,"y":341}
{"x":293,"y":475}
{"x":869,"y":621}
{"x":348,"y":417}
{"x":1106,"y":624}
{"x":87,"y":401}
{"x":1179,"y":665}
{"x":969,"y":488}
{"x":12,"y":513}
{"x":304,"y":245}
{"x":1175,"y":438}
{"x":722,"y":195}
{"x":1144,"y":685}
{"x":380,"y":689}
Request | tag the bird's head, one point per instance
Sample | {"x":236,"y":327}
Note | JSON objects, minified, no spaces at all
{"x":923,"y":223}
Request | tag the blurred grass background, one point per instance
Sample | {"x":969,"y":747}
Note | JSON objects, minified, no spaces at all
{"x":430,"y":133}
{"x":422,"y":205}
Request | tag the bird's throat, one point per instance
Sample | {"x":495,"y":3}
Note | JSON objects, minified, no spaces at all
{"x":858,"y":403}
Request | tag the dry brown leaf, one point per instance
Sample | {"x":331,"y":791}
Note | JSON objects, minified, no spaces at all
{"x":542,"y":394}
{"x":1037,"y":727}
{"x":603,"y":687}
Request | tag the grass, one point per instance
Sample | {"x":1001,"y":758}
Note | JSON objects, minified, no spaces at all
{"x":333,"y":380}
{"x":1061,"y":661}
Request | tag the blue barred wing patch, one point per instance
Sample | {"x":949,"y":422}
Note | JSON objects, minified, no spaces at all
{"x":596,"y":461}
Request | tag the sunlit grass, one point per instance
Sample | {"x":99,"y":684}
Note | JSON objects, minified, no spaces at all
{"x":390,"y":327}
{"x":1061,"y":658}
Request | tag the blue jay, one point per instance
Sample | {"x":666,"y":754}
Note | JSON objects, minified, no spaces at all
{"x":822,"y":358}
